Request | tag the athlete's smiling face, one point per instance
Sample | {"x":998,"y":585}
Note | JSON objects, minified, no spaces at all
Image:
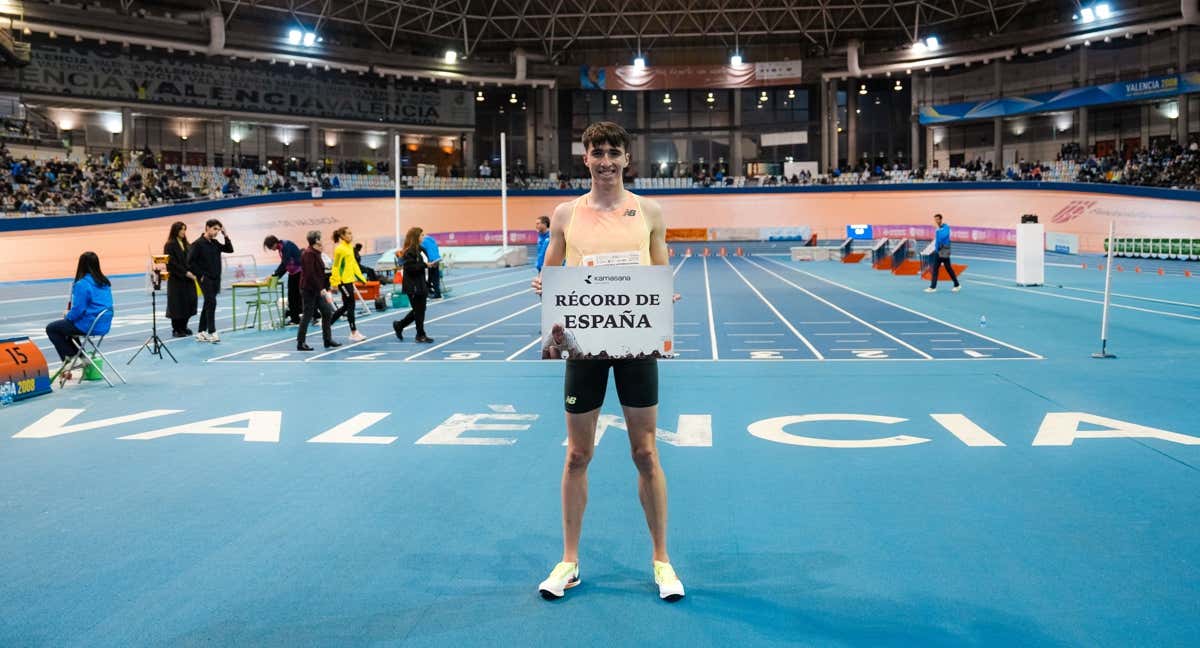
{"x":606,"y":163}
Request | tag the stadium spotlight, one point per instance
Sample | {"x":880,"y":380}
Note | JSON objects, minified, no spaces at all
{"x":639,"y":62}
{"x":512,"y":98}
{"x":710,"y":98}
{"x":667,"y":97}
{"x":898,"y":87}
{"x":451,"y":57}
{"x":736,"y":59}
{"x":614,"y":101}
{"x":932,"y":43}
{"x":479,"y":95}
{"x":294,"y":37}
{"x":919,"y":48}
{"x":1103,"y":11}
{"x":1087,"y":15}
{"x":862,"y":89}
{"x":310,"y":39}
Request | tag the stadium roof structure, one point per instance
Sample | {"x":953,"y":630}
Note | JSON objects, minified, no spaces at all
{"x":560,"y":31}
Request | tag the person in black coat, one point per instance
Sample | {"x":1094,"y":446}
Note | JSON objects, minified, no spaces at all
{"x":204,"y":260}
{"x":181,"y":283}
{"x":314,"y":291}
{"x":414,"y":284}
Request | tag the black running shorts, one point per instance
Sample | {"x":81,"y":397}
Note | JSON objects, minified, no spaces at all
{"x":587,"y":380}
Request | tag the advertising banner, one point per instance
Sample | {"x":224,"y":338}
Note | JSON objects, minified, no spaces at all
{"x":611,"y":311}
{"x":1157,"y":87}
{"x":486,"y":237}
{"x":958,"y":233}
{"x":860,"y":232}
{"x":1062,"y":243}
{"x":129,"y":75}
{"x":671,"y":77}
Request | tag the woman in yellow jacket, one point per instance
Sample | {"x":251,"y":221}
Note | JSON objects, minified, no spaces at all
{"x":345,"y":273}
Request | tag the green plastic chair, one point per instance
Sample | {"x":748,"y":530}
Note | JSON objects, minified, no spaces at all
{"x":1195,"y":249}
{"x":1176,"y":251}
{"x":267,"y":298}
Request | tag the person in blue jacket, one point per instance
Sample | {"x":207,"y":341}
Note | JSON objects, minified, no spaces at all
{"x":289,"y":263}
{"x":941,"y":254}
{"x":543,"y":230}
{"x":430,"y":247}
{"x":91,"y":294}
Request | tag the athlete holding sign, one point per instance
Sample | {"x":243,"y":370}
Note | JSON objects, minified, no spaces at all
{"x":609,"y":226}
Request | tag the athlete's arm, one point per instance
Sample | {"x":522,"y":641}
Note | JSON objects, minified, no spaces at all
{"x":556,"y":249}
{"x":658,"y":232}
{"x":658,"y":236}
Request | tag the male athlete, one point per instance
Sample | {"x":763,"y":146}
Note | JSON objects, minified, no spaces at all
{"x":941,"y":251}
{"x":609,"y":225}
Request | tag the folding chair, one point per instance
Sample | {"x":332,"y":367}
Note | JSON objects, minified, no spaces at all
{"x":265,"y":296}
{"x":83,"y":360}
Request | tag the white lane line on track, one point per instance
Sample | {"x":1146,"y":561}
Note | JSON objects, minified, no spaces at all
{"x":771,"y":306}
{"x":842,"y":311}
{"x":909,"y":310}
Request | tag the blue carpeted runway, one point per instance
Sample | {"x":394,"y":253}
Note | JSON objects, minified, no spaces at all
{"x":850,"y":461}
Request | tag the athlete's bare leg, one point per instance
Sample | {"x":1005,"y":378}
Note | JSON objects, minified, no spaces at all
{"x":652,"y":482}
{"x":581,"y":444}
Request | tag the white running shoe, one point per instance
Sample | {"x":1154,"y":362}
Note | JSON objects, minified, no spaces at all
{"x":214,"y":337}
{"x":956,"y":289}
{"x":202,"y":337}
{"x":931,"y":290}
{"x":355,"y":336}
{"x":670,"y":588}
{"x":564,"y":576}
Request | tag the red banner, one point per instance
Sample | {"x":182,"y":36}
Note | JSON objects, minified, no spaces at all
{"x":670,"y":77}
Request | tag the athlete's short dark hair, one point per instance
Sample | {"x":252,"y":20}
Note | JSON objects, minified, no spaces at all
{"x":606,"y":133}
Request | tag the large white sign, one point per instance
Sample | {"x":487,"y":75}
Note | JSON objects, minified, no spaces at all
{"x":115,"y":73}
{"x":607,"y":311}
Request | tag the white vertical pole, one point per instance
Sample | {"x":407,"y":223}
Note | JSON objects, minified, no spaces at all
{"x":504,"y":190}
{"x":1112,"y":245}
{"x":396,"y":147}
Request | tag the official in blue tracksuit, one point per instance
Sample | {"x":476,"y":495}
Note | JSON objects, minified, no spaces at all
{"x":941,"y":247}
{"x":543,"y":230}
{"x":289,"y":263}
{"x":90,"y":295}
{"x":430,"y":247}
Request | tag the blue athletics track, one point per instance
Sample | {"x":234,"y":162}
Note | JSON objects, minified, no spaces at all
{"x":851,"y":461}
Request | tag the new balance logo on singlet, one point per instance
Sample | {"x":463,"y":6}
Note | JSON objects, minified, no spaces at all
{"x":630,"y":213}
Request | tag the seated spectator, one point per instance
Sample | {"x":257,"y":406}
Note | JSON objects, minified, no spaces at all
{"x":91,"y":294}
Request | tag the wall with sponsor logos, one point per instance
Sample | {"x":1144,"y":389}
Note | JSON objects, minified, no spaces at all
{"x":37,"y":248}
